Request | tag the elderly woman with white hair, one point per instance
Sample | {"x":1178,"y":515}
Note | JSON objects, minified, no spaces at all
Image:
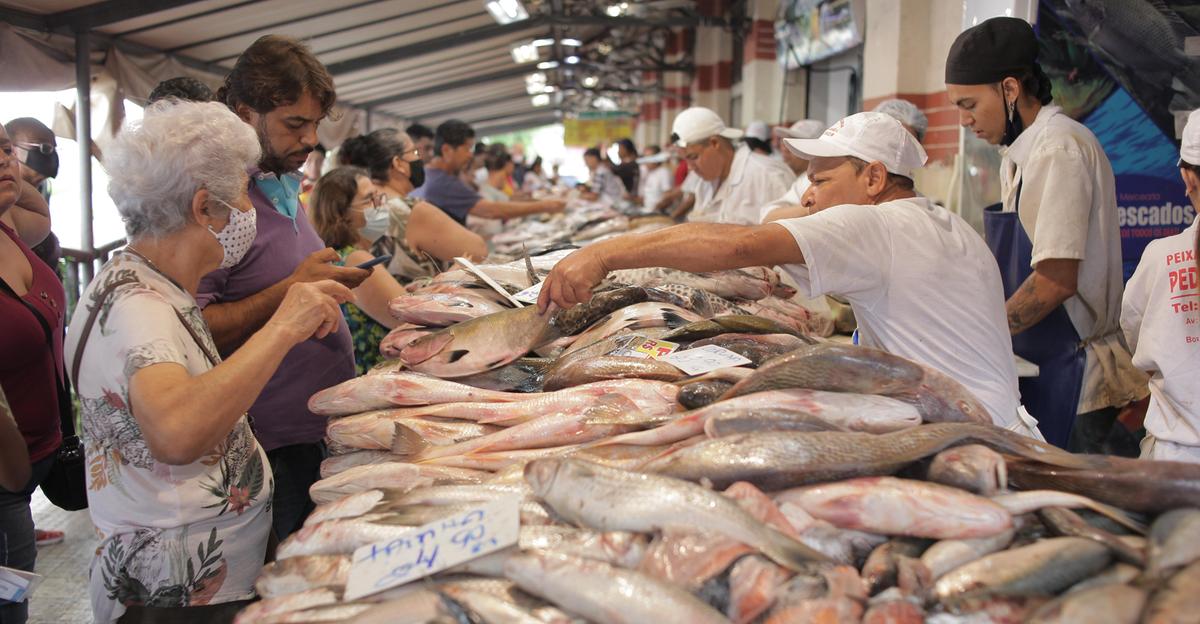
{"x":178,"y":487}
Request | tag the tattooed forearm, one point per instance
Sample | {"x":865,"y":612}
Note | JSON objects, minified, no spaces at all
{"x":1045,"y":289}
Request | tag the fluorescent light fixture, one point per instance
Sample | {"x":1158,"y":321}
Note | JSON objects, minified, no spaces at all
{"x":571,"y":42}
{"x":590,"y":81}
{"x":534,"y":83}
{"x":550,"y":89}
{"x":604,"y":103}
{"x":541,"y":99}
{"x":524,"y":53}
{"x":571,"y":60}
{"x":547,"y":65}
{"x":541,"y":43}
{"x":507,"y":11}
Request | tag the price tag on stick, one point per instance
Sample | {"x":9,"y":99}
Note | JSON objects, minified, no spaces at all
{"x":470,"y":266}
{"x":434,"y":547}
{"x":704,"y":359}
{"x":642,"y":347}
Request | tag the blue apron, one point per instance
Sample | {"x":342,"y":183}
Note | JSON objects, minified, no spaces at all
{"x":1053,"y":344}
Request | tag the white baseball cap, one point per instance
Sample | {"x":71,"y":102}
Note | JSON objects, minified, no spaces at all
{"x":1189,"y":148}
{"x":759,"y":130}
{"x":698,"y":123}
{"x":803,"y":129}
{"x":873,"y":137}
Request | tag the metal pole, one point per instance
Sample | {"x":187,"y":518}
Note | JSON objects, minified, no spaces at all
{"x":370,"y":120}
{"x":83,"y":136}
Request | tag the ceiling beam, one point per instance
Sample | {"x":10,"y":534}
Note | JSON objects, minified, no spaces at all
{"x":470,"y":106}
{"x":519,"y":125}
{"x":514,"y":72}
{"x":425,"y":47}
{"x":502,"y":116}
{"x":92,"y":16}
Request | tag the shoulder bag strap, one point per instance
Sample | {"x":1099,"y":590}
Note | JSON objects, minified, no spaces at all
{"x":65,"y":414}
{"x":86,"y":330}
{"x":212,"y":359}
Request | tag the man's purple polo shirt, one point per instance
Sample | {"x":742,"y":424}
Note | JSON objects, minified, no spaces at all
{"x":280,"y":415}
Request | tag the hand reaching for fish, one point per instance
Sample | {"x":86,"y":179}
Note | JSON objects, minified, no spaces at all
{"x":310,"y":310}
{"x":572,"y":280}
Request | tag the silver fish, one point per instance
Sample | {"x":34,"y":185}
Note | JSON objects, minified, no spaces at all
{"x":1107,"y":604}
{"x":298,"y":574}
{"x":1174,"y":541}
{"x":383,"y":391}
{"x":1045,"y":567}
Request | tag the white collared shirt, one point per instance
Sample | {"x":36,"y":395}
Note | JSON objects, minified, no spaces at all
{"x":1161,"y":320}
{"x":754,"y":180}
{"x":792,"y":197}
{"x":1068,"y":208}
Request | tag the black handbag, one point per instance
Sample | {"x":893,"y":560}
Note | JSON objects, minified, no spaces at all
{"x":66,"y":484}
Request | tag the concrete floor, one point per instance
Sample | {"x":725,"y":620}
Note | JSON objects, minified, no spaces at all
{"x":62,"y":597}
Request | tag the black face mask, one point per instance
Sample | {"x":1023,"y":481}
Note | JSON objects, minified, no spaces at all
{"x":44,"y":164}
{"x":1013,"y":126}
{"x":417,"y":175}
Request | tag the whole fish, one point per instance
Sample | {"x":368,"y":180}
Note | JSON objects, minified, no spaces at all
{"x":847,"y":368}
{"x":615,"y":500}
{"x":501,"y":460}
{"x":1018,"y":503}
{"x":441,"y":309}
{"x":1132,"y":484}
{"x":858,"y":412}
{"x":580,"y":317}
{"x":1178,"y":601}
{"x":375,"y":431}
{"x":882,"y":566}
{"x":383,"y":391}
{"x":791,"y":315}
{"x":649,"y":314}
{"x":375,"y":501}
{"x":541,"y":432}
{"x":335,"y":464}
{"x":400,"y":337}
{"x":844,"y":546}
{"x":760,"y":419}
{"x":973,"y":467}
{"x":415,"y":605}
{"x":729,"y":324}
{"x":619,"y":548}
{"x":1107,"y":604}
{"x":524,"y":375}
{"x":338,"y":612}
{"x":393,"y":476}
{"x":1064,"y":522}
{"x":480,"y":344}
{"x":298,"y":574}
{"x":609,"y":367}
{"x":264,"y":610}
{"x":1174,"y":541}
{"x":489,"y":608}
{"x":605,"y":594}
{"x":1045,"y":567}
{"x":947,"y":555}
{"x":701,"y":302}
{"x":780,"y":459}
{"x":901,"y":507}
{"x":338,"y":537}
{"x":1117,"y":573}
{"x":752,"y":283}
{"x":698,"y":394}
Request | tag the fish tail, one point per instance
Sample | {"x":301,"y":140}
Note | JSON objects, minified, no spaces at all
{"x":1017,"y":444}
{"x":791,"y":553}
{"x":1117,"y":515}
{"x":407,"y":442}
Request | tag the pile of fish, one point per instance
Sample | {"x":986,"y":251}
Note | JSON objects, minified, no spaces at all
{"x":582,"y":222}
{"x":820,"y":483}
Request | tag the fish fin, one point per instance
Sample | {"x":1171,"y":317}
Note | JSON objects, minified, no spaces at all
{"x":425,"y":347}
{"x":1117,"y":515}
{"x":792,"y":553}
{"x":673,"y":319}
{"x":407,"y":442}
{"x":532,"y":274}
{"x":457,"y":355}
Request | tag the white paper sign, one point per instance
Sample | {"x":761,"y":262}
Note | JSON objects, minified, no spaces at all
{"x":530,"y":295}
{"x":642,"y":347}
{"x":434,"y":547}
{"x":470,"y":266}
{"x":704,"y":359}
{"x":17,"y":585}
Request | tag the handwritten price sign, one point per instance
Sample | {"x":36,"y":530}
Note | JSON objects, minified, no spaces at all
{"x":434,"y":547}
{"x":704,"y":359}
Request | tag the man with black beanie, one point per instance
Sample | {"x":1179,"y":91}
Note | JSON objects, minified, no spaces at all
{"x":1055,"y":235}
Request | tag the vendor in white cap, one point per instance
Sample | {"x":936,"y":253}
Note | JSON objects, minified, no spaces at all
{"x":921,"y":281}
{"x":1056,"y":235}
{"x":791,"y":203}
{"x":656,"y":180}
{"x":907,"y":114}
{"x":758,"y":137}
{"x":1160,"y":316}
{"x":730,"y":184}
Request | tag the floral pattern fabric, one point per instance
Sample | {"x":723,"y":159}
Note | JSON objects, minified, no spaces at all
{"x":171,"y":536}
{"x":365,"y":332}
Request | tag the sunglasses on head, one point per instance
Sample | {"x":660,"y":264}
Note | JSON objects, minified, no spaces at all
{"x":45,"y":148}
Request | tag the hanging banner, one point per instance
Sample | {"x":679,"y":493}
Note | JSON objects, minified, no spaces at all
{"x":1125,"y":83}
{"x":810,"y":30}
{"x":588,"y":131}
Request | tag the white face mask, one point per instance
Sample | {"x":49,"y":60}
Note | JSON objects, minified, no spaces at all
{"x":377,"y":224}
{"x":237,"y":235}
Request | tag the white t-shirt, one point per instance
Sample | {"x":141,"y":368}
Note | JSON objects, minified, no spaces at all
{"x":923,"y":285}
{"x":654,"y":184}
{"x":791,"y":198}
{"x":1161,"y":320}
{"x":754,"y":180}
{"x":1068,"y":207}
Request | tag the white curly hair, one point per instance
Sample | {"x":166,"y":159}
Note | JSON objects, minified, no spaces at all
{"x":156,"y":165}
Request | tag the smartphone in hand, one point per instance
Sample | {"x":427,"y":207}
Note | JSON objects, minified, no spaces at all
{"x":374,"y":261}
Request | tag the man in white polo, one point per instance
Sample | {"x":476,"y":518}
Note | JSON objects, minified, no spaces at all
{"x":790,"y":204}
{"x":922,"y":282}
{"x":1160,"y":315}
{"x":730,"y":184}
